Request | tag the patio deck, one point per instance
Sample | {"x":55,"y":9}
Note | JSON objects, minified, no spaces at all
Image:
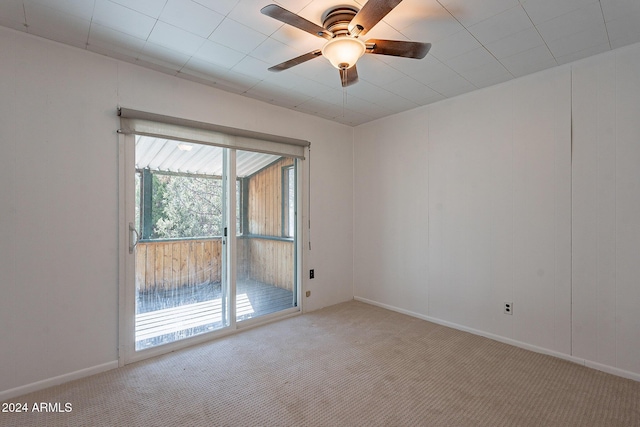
{"x":160,"y":326}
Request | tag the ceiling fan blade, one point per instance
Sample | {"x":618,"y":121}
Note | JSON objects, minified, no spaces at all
{"x":405,"y":49}
{"x":296,"y":61}
{"x":370,"y":14}
{"x":349,"y":76}
{"x":283,"y":15}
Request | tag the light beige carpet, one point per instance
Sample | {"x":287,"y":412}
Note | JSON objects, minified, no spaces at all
{"x":347,"y":365}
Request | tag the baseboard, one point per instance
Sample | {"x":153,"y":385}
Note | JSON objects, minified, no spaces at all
{"x":40,"y":385}
{"x":612,"y":370}
{"x":588,"y":363}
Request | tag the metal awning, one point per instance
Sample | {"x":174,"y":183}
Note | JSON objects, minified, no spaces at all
{"x":166,"y":155}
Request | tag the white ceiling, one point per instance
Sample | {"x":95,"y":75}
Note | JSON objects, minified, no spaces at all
{"x":229,"y":44}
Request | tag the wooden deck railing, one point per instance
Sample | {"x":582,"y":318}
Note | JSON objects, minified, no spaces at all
{"x":170,"y":264}
{"x":267,"y":261}
{"x":163,"y":265}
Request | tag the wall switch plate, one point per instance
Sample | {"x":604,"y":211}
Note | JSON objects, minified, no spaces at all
{"x":308,"y":293}
{"x":311,"y":274}
{"x":508,"y":308}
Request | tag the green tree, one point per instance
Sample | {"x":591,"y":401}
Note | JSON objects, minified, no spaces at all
{"x":186,"y":206}
{"x":159,"y":185}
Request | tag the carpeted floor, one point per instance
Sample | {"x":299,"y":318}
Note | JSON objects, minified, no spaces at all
{"x":347,"y":365}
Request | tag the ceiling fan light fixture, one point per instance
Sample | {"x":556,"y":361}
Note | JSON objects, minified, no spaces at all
{"x":343,"y":52}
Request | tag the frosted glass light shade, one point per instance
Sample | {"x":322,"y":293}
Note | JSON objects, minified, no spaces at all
{"x":343,"y":52}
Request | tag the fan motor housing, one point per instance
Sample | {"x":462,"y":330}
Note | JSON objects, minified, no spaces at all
{"x":337,"y":19}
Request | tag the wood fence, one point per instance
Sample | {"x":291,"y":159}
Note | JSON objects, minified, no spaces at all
{"x":269,"y":261}
{"x":264,"y":210}
{"x":171,"y":264}
{"x":165,"y":265}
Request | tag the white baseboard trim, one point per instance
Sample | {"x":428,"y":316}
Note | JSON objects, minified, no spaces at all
{"x":588,"y":363}
{"x":40,"y":385}
{"x":612,"y":370}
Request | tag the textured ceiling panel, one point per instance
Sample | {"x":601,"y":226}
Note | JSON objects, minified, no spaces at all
{"x":229,"y":44}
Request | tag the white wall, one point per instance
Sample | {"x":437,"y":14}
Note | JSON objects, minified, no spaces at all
{"x":390,"y":199}
{"x":517,"y":210}
{"x":59,"y":201}
{"x":606,"y":218}
{"x":499,"y":210}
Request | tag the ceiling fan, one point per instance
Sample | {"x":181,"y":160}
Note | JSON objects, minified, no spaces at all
{"x":343,"y":26}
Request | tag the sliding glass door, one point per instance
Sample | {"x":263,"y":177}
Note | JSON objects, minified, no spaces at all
{"x":266,"y":254}
{"x":180,"y":288}
{"x":212,"y":237}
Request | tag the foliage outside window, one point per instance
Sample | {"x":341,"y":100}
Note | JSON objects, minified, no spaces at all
{"x":180,"y":205}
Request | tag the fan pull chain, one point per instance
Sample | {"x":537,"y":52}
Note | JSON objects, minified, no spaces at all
{"x":344,"y":100}
{"x":344,"y":90}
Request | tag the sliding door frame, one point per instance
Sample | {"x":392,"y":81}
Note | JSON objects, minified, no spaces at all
{"x":126,"y":266}
{"x":126,"y":276}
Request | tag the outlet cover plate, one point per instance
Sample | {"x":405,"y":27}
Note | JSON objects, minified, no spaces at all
{"x":508,"y":308}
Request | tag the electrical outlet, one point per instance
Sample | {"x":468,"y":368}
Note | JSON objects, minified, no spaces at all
{"x":311,"y":274}
{"x":508,"y":308}
{"x":308,"y":293}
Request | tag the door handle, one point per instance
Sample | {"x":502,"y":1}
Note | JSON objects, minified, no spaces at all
{"x":133,"y":242}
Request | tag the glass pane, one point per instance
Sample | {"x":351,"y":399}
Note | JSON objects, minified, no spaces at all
{"x":179,"y":290}
{"x":265,"y":259}
{"x":186,"y":206}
